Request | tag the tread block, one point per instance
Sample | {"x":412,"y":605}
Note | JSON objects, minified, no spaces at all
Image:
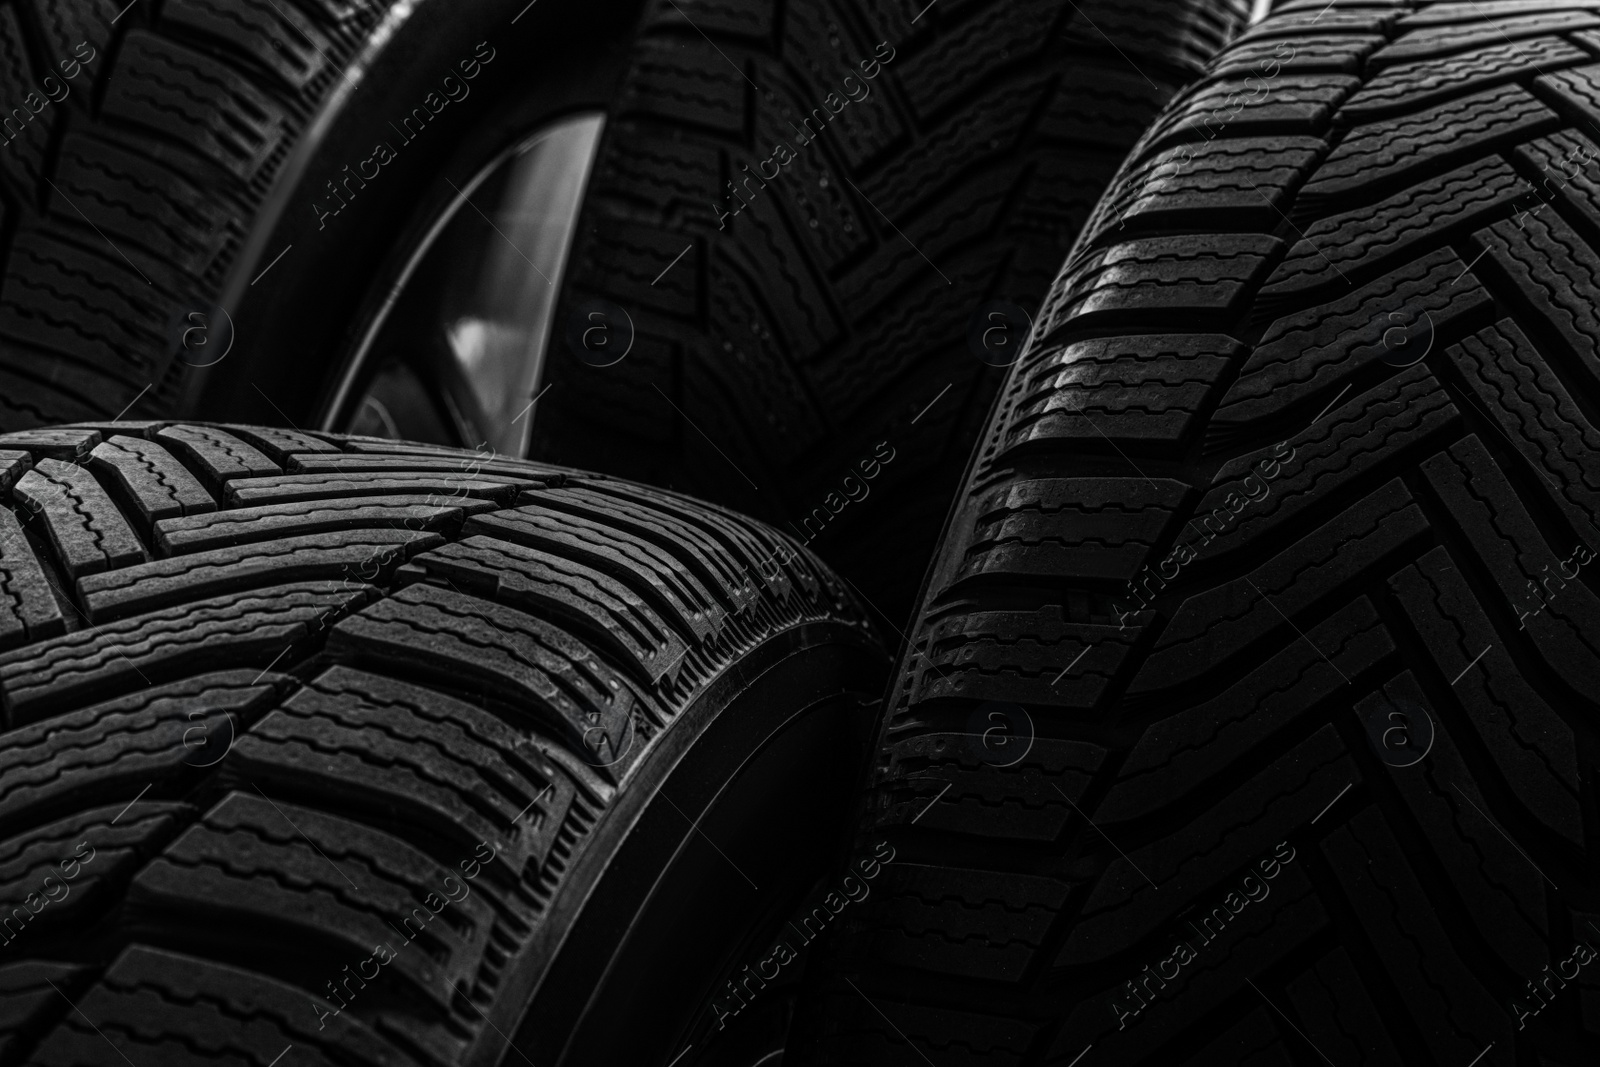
{"x":1533,"y":748}
{"x":1335,"y":249}
{"x":1537,"y":412}
{"x":1197,"y":861}
{"x":1338,"y":1013}
{"x":1185,"y":751}
{"x":279,"y":444}
{"x":197,"y":101}
{"x":1404,"y":149}
{"x":1209,"y":628}
{"x":276,"y":488}
{"x":352,"y":555}
{"x":410,"y":758}
{"x":952,"y":69}
{"x":1561,"y":160}
{"x":1426,"y":42}
{"x":1160,"y":277}
{"x":943,"y":783}
{"x":755,"y":545}
{"x":1239,"y":183}
{"x":1333,"y":53}
{"x":652,"y":573}
{"x":1426,"y":83}
{"x":61,"y":443}
{"x":1475,"y":11}
{"x":268,"y":522}
{"x":1488,"y":873}
{"x":1253,"y":941}
{"x":991,"y":125}
{"x":168,"y":1007}
{"x":1318,"y":18}
{"x":86,"y":528}
{"x":572,"y":594}
{"x":421,"y":460}
{"x":1068,"y":529}
{"x":159,"y":485}
{"x":86,"y":314}
{"x":1299,"y":104}
{"x":1315,"y":351}
{"x":1143,"y":389}
{"x":278,"y":38}
{"x":696,"y":551}
{"x":23,"y":163}
{"x":88,"y":853}
{"x":971,"y":656}
{"x":1342,"y":448}
{"x":977,"y":924}
{"x":686,"y":81}
{"x":219,"y":454}
{"x":236,"y":629}
{"x":1098,"y":104}
{"x":28,"y":608}
{"x":331,"y":887}
{"x":157,"y":205}
{"x":1458,"y":1017}
{"x":1556,"y":271}
{"x":1575,"y":92}
{"x":106,"y":753}
{"x":527,"y":662}
{"x":1561,"y":620}
{"x":12,"y":466}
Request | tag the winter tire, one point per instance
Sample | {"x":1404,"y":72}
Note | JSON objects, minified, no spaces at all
{"x":1249,"y":716}
{"x":395,"y":754}
{"x":219,"y":217}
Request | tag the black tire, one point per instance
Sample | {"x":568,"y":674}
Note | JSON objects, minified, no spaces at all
{"x":264,"y":691}
{"x":191,"y":154}
{"x":1316,"y":415}
{"x":147,"y":216}
{"x":805,"y":338}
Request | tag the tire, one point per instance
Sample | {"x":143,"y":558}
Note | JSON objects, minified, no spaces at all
{"x":274,"y":701}
{"x":803,"y":338}
{"x":181,"y":207}
{"x":174,"y":204}
{"x":1249,"y":713}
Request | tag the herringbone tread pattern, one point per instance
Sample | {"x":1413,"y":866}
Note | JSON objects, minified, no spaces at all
{"x":271,"y":699}
{"x":1283,"y":529}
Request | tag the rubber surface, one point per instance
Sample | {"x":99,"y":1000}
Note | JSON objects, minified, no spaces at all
{"x":1250,"y":714}
{"x":789,"y":333}
{"x":127,"y":200}
{"x":272,"y":698}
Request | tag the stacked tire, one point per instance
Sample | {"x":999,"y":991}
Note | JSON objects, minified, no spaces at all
{"x":1249,"y":713}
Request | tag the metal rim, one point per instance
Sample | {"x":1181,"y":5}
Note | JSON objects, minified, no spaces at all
{"x":455,"y":350}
